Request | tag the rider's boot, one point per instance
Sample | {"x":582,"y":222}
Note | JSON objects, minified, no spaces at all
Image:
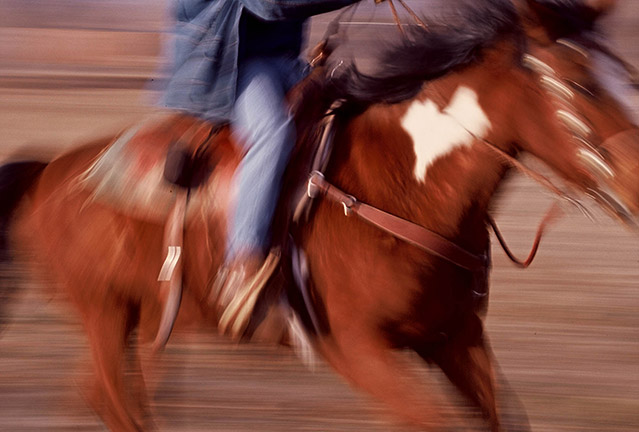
{"x":239,"y":286}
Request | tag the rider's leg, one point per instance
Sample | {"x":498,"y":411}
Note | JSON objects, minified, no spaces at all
{"x":263,"y":123}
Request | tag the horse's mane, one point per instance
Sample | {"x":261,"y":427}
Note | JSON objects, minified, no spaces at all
{"x":426,"y":54}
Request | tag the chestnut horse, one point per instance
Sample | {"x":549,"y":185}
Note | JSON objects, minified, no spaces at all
{"x":428,"y":141}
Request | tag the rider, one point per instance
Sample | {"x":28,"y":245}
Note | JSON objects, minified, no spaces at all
{"x":234,"y":62}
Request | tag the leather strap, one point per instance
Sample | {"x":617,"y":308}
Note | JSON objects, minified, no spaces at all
{"x":398,"y":22}
{"x":407,"y":231}
{"x":552,"y":215}
{"x":170,"y":277}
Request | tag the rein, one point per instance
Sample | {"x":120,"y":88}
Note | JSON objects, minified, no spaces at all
{"x":398,"y":22}
{"x":551,"y":215}
{"x":333,"y":27}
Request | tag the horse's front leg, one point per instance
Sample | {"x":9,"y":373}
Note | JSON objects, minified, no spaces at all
{"x":467,"y":361}
{"x":365,"y":358}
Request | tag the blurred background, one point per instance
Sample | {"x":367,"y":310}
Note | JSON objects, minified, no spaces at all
{"x":565,"y":331}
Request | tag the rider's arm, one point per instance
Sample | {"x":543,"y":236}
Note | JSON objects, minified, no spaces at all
{"x":278,"y":10}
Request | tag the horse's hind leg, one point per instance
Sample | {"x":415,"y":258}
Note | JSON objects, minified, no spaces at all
{"x":108,"y":327}
{"x":467,"y":362}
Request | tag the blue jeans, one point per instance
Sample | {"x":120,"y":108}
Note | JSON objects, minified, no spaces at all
{"x":263,"y":123}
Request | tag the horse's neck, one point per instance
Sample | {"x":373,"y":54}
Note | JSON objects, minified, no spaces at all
{"x":424,"y":160}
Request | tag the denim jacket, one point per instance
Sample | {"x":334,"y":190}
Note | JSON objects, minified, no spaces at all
{"x":213,"y":36}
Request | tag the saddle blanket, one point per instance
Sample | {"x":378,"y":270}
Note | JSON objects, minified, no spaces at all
{"x":128,"y":175}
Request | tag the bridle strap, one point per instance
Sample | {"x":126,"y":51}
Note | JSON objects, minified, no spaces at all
{"x":407,"y":231}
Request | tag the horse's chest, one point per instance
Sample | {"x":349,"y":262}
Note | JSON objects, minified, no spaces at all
{"x":444,"y":298}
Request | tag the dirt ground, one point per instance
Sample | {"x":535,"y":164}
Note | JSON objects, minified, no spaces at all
{"x":564,"y":331}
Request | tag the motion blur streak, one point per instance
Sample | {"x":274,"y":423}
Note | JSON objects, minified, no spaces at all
{"x":565,"y":330}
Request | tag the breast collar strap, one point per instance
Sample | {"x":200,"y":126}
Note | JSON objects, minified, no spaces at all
{"x":407,"y":231}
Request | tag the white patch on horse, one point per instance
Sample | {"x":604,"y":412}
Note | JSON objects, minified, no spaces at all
{"x":436,"y":133}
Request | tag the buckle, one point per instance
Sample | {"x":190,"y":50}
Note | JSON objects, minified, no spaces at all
{"x":348,"y":202}
{"x":313,"y":188}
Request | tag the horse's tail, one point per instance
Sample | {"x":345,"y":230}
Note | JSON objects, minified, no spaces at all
{"x":15,"y":180}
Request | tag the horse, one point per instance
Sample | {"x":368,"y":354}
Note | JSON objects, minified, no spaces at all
{"x":396,"y":243}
